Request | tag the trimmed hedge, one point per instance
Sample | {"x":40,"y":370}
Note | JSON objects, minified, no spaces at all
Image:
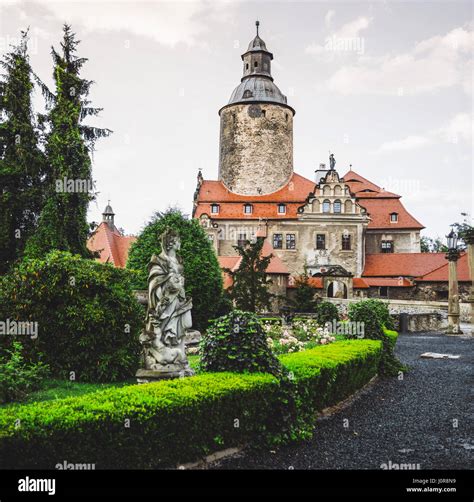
{"x":184,"y":419}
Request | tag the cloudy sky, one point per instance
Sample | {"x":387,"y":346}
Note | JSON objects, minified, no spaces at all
{"x":386,"y":86}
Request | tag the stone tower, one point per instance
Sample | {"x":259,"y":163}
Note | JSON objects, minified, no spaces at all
{"x":256,"y":132}
{"x":108,"y":216}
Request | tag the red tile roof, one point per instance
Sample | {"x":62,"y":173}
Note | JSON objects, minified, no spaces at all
{"x":293,"y":194}
{"x":314,"y":282}
{"x":112,"y":246}
{"x":400,"y":282}
{"x":401,"y":264}
{"x":362,"y":187}
{"x":376,"y":200}
{"x":359,"y":283}
{"x":442,"y":273}
{"x":380,"y":204}
{"x":379,"y":212}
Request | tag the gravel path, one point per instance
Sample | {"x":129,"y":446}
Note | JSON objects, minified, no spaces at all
{"x":427,"y":418}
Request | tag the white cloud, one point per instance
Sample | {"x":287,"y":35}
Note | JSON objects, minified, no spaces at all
{"x":345,"y":39}
{"x":458,"y":129}
{"x":166,"y":22}
{"x":435,"y":63}
{"x":408,"y":143}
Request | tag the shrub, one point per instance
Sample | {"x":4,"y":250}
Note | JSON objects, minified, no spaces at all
{"x":236,"y":342}
{"x":202,"y":273}
{"x":17,"y":377}
{"x":326,"y":312}
{"x":87,"y":315}
{"x":180,"y":420}
{"x":375,"y":316}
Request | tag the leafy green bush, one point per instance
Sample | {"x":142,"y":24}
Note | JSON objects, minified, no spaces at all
{"x":88,"y":318}
{"x":202,"y":273}
{"x":181,"y":420}
{"x":375,"y":316}
{"x":236,"y":342}
{"x":17,"y":377}
{"x":326,"y":312}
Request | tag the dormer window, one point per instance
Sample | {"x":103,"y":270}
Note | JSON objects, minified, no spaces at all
{"x":248,"y":209}
{"x":393,"y":217}
{"x":281,"y":208}
{"x":214,"y":208}
{"x":247,"y":94}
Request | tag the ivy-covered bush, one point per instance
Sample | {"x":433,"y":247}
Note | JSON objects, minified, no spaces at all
{"x":202,"y":273}
{"x":375,"y":316}
{"x":236,"y":342}
{"x":326,"y":312}
{"x":181,"y":420}
{"x":88,"y":319}
{"x":17,"y":377}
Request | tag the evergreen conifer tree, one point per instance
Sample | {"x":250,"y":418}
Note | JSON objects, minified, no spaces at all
{"x":69,"y":144}
{"x":250,"y":285}
{"x":22,"y":163}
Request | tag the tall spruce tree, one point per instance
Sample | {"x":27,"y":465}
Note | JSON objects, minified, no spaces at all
{"x":250,"y":285}
{"x":69,"y":144}
{"x":22,"y":163}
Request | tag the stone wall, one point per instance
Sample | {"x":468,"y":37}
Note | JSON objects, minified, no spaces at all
{"x":423,"y":291}
{"x":404,"y":241}
{"x":256,"y":147}
{"x":414,"y":307}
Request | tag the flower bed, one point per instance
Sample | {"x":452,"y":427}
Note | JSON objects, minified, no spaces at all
{"x":176,"y":421}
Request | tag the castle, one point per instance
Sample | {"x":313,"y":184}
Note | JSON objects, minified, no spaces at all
{"x":354,"y":238}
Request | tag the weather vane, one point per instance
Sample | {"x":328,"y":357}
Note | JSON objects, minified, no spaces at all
{"x":257,"y":24}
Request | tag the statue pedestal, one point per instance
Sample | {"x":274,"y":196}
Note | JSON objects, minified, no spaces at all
{"x":166,"y":372}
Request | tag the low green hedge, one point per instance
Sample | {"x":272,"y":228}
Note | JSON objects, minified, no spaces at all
{"x":182,"y":420}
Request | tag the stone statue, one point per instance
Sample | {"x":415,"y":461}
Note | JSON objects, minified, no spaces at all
{"x":168,"y":316}
{"x":332,"y":162}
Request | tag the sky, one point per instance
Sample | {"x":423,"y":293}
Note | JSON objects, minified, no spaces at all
{"x":386,"y":86}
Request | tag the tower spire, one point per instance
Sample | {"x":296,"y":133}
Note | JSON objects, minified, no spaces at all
{"x":257,"y":24}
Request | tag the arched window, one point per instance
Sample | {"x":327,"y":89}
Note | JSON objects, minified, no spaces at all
{"x":337,"y":190}
{"x":256,"y":64}
{"x":316,"y":206}
{"x":326,"y":206}
{"x":337,"y":206}
{"x":348,"y":206}
{"x":248,"y":209}
{"x":327,"y":190}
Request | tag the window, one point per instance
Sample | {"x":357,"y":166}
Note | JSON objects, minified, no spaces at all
{"x":281,"y":208}
{"x":247,"y":94}
{"x":387,"y":246}
{"x":337,"y":206}
{"x":393,"y":217}
{"x":326,"y":206}
{"x":290,"y":241}
{"x":242,"y":239}
{"x":320,"y":241}
{"x":247,"y":208}
{"x":383,"y":291}
{"x":247,"y":66}
{"x":256,"y":64}
{"x":346,"y":242}
{"x":277,"y":241}
{"x":214,"y":208}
